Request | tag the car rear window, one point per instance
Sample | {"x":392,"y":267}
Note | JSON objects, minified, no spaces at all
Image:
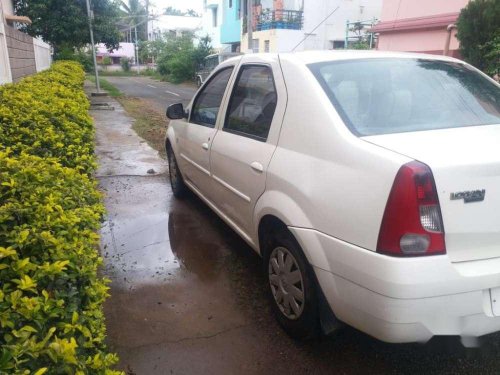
{"x":382,"y":96}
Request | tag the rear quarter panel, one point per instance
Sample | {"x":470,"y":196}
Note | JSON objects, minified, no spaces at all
{"x":322,"y":176}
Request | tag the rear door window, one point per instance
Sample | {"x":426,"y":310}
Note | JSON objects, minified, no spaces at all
{"x":253,"y":103}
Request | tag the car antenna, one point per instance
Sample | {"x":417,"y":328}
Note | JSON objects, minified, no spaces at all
{"x":313,"y":30}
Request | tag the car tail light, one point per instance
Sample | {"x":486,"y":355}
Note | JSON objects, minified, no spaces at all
{"x":412,"y":223}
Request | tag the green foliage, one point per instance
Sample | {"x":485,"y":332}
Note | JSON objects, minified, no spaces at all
{"x":171,"y":11}
{"x":65,"y":24}
{"x":125,"y":63}
{"x":51,"y":298}
{"x":134,"y":13}
{"x":79,"y":55}
{"x":479,"y":33}
{"x":46,"y":115}
{"x":106,"y":60}
{"x":179,"y":58}
{"x":359,"y":45}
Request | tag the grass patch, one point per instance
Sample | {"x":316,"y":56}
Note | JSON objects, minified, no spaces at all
{"x":105,"y":85}
{"x":148,"y":124}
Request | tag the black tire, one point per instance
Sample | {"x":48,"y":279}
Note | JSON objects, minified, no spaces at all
{"x":179,"y":188}
{"x":306,"y":324}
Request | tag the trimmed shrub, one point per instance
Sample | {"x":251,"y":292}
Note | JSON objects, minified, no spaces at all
{"x":51,"y":296}
{"x":47,"y":115}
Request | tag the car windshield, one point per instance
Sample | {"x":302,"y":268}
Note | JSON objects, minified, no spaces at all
{"x":383,"y":96}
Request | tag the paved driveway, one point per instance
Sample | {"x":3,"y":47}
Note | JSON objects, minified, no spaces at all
{"x":187,"y":296}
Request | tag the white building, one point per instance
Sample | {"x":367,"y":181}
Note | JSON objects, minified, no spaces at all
{"x":20,"y":54}
{"x":172,"y":25}
{"x":212,"y":17}
{"x":282,"y":25}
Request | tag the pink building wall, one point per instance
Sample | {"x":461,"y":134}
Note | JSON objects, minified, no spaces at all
{"x":418,"y":25}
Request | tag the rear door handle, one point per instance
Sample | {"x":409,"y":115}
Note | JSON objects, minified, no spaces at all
{"x":256,"y":166}
{"x":205,"y":146}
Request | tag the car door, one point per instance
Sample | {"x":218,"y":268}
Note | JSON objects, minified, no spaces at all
{"x":242,"y":150}
{"x":195,"y":136}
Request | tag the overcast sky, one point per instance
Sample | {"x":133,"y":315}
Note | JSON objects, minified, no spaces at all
{"x":197,"y":5}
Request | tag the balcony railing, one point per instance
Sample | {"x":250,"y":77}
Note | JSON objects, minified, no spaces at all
{"x":277,"y":19}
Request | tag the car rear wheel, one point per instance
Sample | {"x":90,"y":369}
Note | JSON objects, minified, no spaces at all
{"x":292,"y":287}
{"x":176,"y":181}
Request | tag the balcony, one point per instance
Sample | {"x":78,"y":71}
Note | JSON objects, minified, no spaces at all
{"x":277,"y":19}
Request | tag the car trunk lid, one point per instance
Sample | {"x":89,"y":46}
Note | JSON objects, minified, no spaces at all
{"x":465,"y":163}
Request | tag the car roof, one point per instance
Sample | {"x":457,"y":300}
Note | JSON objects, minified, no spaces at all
{"x":310,"y":57}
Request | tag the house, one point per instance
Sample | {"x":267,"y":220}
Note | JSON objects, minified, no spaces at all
{"x":20,"y":54}
{"x":172,"y":25}
{"x":419,"y":26}
{"x":221,"y":21}
{"x":125,"y":50}
{"x":286,"y":25}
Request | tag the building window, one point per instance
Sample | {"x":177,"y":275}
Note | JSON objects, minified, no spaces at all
{"x":266,"y":45}
{"x":338,"y":44}
{"x":255,"y":45}
{"x":214,"y":17}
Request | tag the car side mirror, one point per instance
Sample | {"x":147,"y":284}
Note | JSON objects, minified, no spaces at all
{"x":176,"y":111}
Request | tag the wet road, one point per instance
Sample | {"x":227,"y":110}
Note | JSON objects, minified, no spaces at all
{"x":187,"y":296}
{"x":158,"y":94}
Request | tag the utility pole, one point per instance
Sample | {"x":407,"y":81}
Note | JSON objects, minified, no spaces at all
{"x":90,"y":15}
{"x":136,"y":50}
{"x":249,"y":23}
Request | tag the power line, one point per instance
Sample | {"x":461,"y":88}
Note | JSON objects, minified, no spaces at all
{"x":313,"y":30}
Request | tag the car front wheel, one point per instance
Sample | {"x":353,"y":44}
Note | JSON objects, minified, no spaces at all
{"x":292,"y":288}
{"x":176,"y":181}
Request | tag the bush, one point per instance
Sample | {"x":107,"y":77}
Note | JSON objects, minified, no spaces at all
{"x":125,"y":63}
{"x":81,"y":56}
{"x":51,"y":298}
{"x":47,"y":115}
{"x":478,"y":32}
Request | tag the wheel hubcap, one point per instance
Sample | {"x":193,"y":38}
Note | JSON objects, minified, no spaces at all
{"x":286,"y":283}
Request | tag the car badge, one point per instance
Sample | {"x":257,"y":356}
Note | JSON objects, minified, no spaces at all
{"x":469,"y":196}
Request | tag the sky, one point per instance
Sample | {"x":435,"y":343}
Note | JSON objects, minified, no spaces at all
{"x":197,"y":5}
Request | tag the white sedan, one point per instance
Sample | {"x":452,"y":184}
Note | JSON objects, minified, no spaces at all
{"x":369,"y":183}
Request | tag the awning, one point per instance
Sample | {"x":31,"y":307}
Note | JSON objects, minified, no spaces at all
{"x":436,"y":21}
{"x":18,"y":19}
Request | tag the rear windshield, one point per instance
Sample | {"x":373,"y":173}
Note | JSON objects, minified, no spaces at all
{"x":382,"y":96}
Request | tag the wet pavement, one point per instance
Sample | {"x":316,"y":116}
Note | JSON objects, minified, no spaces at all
{"x":187,"y":295}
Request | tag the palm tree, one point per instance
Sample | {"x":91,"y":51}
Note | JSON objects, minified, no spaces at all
{"x":134,"y":12}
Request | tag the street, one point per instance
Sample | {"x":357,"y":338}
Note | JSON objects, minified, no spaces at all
{"x":188,"y":295}
{"x":158,"y":94}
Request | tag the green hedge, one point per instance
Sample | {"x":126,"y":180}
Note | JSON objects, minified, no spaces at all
{"x":51,"y":318}
{"x":47,"y":115}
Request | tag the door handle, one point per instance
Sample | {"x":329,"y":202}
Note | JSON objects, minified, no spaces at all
{"x":205,"y":146}
{"x":256,"y":166}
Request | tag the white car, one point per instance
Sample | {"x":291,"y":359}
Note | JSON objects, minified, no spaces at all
{"x":369,"y":182}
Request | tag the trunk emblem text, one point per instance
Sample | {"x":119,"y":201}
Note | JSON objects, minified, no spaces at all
{"x":469,"y":196}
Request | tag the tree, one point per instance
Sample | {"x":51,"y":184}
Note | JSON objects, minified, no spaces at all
{"x":477,"y":29}
{"x":134,"y":13}
{"x":179,"y":58}
{"x":64,"y":23}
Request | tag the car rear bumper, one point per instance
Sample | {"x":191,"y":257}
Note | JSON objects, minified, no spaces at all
{"x":403,"y":300}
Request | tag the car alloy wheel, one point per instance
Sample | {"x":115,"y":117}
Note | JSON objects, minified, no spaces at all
{"x":287,"y":285}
